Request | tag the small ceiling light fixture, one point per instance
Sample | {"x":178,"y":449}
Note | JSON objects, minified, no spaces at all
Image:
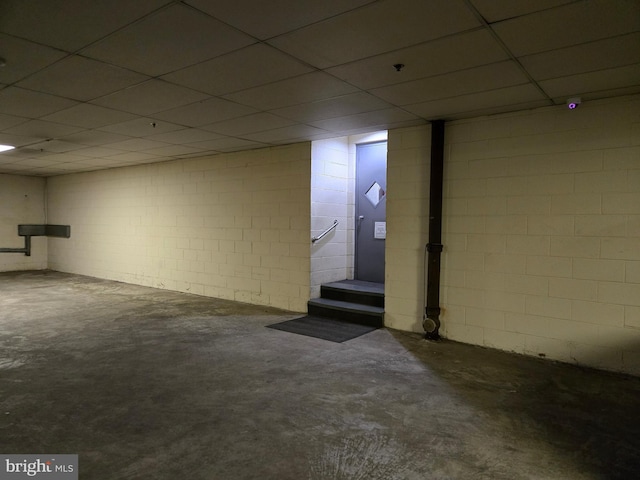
{"x":574,"y":103}
{"x":398,"y":66}
{"x":4,"y":148}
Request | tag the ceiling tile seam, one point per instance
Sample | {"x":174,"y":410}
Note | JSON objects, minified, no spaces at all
{"x":77,"y":51}
{"x":466,"y":95}
{"x":369,"y":91}
{"x":337,"y":97}
{"x":587,"y":72}
{"x":503,"y":45}
{"x":530,"y":13}
{"x":8,"y":60}
{"x":477,"y":92}
{"x":597,"y":40}
{"x":195,"y":9}
{"x":124,"y":27}
{"x":366,"y":5}
{"x":431,"y":77}
{"x":406,"y":47}
{"x":258,"y":40}
{"x":634,"y":89}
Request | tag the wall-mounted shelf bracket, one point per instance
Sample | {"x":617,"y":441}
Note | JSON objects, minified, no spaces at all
{"x":28,"y":231}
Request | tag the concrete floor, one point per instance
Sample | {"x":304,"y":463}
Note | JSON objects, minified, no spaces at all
{"x":151,"y":384}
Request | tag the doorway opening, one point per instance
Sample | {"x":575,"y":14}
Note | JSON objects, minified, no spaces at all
{"x":333,"y":197}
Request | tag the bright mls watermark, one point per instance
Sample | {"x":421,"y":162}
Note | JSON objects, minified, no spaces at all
{"x":46,"y":467}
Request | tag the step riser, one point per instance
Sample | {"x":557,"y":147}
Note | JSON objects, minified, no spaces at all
{"x":362,"y":298}
{"x":362,"y":318}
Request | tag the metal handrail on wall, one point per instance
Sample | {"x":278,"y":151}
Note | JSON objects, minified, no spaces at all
{"x":315,"y":239}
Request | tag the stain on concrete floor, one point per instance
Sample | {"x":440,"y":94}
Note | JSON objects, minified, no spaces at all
{"x":151,"y":384}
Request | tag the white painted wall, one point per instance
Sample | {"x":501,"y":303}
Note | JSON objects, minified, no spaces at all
{"x":542,"y":233}
{"x":21,"y":202}
{"x":233,"y":226}
{"x":331,"y":256}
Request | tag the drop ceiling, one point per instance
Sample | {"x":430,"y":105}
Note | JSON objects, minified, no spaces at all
{"x":98,"y":84}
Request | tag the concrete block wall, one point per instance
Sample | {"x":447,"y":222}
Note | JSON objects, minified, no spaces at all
{"x":332,"y":256}
{"x":408,"y":165}
{"x":542,"y":233}
{"x":233,"y":226}
{"x":21,"y":202}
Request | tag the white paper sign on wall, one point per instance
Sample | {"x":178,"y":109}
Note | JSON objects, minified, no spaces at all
{"x":380,"y":230}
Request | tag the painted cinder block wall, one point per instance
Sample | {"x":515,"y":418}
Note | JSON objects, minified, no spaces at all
{"x":233,"y":226}
{"x":21,"y":202}
{"x":331,"y":257}
{"x":408,"y":160}
{"x":542,"y":233}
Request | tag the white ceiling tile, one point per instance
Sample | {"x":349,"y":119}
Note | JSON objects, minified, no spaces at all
{"x":8,"y":121}
{"x":142,"y":127}
{"x":205,"y":112}
{"x":249,"y":67}
{"x":23,"y":153}
{"x":575,"y":85}
{"x":81,"y":78}
{"x":256,"y":122}
{"x":572,"y":24}
{"x":376,"y":28}
{"x":89,"y":116}
{"x":478,"y":79}
{"x":6,"y":160}
{"x":609,"y":92}
{"x":24,"y":58}
{"x":344,"y":105}
{"x":367,"y":120}
{"x":17,"y":141}
{"x":267,"y":19}
{"x":95,"y":138}
{"x":174,"y":150}
{"x":56,"y":146}
{"x":136,"y":144}
{"x":495,"y":10}
{"x":456,"y":52}
{"x":25,"y":103}
{"x":71,"y":24}
{"x":285,"y":134}
{"x":187,"y":135}
{"x":60,"y":158}
{"x":42,"y":129}
{"x":228,"y":144}
{"x":150,"y":97}
{"x":35,"y":162}
{"x":587,"y":57}
{"x":97,"y":162}
{"x":168,"y":40}
{"x":303,"y":89}
{"x":98,"y":152}
{"x":132,"y":157}
{"x":450,"y":107}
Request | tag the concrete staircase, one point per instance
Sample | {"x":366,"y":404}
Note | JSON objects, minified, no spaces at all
{"x":353,"y":301}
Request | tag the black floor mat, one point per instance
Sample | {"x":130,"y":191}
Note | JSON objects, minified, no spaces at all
{"x":324,"y":328}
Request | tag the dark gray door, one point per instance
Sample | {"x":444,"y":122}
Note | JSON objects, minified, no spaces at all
{"x":371,"y":192}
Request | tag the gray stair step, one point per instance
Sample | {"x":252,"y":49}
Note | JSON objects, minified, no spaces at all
{"x":348,"y":311}
{"x":367,"y":293}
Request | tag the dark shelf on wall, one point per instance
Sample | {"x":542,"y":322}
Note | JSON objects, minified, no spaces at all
{"x":28,"y":231}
